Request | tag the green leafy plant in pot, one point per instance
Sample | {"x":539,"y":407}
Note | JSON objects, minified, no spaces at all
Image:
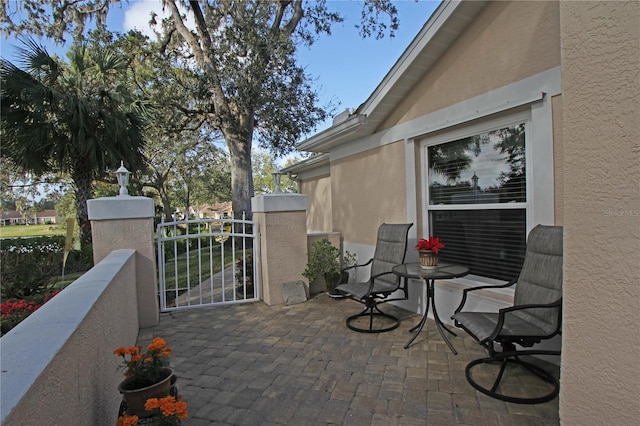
{"x":325,"y":261}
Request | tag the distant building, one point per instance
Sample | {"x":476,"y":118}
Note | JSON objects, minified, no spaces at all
{"x":44,"y":217}
{"x":212,"y":211}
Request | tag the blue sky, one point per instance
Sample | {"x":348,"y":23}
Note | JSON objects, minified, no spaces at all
{"x":346,"y":68}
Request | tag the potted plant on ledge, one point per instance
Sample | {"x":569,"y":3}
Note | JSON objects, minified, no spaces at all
{"x":325,"y":262}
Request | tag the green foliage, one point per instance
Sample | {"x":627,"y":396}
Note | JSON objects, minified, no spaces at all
{"x":78,"y":117}
{"x":30,"y":266}
{"x":325,"y":260}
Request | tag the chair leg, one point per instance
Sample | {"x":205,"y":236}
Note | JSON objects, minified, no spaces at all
{"x":512,"y":358}
{"x":372,"y":311}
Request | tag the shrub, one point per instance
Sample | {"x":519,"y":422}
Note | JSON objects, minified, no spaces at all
{"x":30,"y":264}
{"x":13,"y":311}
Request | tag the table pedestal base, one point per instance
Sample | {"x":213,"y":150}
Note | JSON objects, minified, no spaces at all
{"x":439,"y":324}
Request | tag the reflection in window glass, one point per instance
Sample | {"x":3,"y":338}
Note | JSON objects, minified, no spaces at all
{"x":486,"y":168}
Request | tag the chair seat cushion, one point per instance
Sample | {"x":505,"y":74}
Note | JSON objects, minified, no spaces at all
{"x":360,"y":290}
{"x":482,"y":324}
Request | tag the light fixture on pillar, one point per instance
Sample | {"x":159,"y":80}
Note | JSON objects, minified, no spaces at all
{"x":277,"y":175}
{"x":474,"y":180}
{"x":122,"y":174}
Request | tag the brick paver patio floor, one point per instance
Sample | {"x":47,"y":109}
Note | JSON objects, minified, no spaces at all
{"x":252,"y":364}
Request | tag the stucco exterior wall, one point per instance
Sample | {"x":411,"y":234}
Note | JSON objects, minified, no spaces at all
{"x":283,"y":244}
{"x":368,"y":189}
{"x":127,"y":222}
{"x":58,"y":364}
{"x":507,"y":42}
{"x":600,"y":374}
{"x":318,"y":191}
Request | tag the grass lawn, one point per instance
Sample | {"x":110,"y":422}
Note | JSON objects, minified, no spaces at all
{"x":15,"y":231}
{"x":186,"y":267}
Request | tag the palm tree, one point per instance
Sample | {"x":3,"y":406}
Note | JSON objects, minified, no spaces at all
{"x":77,"y":118}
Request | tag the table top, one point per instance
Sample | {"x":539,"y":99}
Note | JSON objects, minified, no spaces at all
{"x":444,"y":270}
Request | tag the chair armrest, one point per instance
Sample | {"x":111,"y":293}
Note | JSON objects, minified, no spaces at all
{"x":356,"y":266}
{"x":504,"y":311}
{"x":483,"y":287}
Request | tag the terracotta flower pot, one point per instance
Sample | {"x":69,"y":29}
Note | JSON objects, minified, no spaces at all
{"x":136,"y":398}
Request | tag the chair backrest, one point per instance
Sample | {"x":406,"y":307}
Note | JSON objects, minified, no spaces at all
{"x":540,"y":279}
{"x":391,"y":247}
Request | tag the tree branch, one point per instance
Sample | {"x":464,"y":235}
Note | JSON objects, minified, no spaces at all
{"x":298,"y":13}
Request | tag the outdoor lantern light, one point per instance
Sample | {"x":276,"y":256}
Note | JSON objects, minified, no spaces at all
{"x":475,"y":180}
{"x":122,"y":174}
{"x":277,"y":175}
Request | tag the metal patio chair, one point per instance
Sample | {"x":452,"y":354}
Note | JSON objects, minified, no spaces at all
{"x":535,"y":316}
{"x":390,"y":251}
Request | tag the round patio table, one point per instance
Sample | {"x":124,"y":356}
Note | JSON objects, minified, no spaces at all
{"x":443,"y":271}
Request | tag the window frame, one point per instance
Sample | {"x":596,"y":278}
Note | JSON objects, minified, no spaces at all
{"x":470,"y":129}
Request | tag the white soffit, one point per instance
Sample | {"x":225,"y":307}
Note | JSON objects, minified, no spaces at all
{"x":444,"y":26}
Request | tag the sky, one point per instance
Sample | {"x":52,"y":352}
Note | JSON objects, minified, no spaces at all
{"x":345,"y":67}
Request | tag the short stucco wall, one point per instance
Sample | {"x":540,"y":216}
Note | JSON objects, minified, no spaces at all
{"x":58,"y":366}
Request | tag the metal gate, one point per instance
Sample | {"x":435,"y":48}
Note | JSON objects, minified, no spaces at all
{"x":207,"y":262}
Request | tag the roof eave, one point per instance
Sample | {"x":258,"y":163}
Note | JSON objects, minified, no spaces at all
{"x":333,"y":135}
{"x":447,"y":21}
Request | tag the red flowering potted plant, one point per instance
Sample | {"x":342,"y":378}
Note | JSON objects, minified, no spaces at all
{"x":428,"y":249}
{"x":147,"y":375}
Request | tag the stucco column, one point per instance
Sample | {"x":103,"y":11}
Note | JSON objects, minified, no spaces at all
{"x":126,"y":222}
{"x":282,"y":221}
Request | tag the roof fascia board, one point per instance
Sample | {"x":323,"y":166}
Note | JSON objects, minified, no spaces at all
{"x":524,"y":92}
{"x":342,"y":130}
{"x":308,"y":164}
{"x":435,"y":23}
{"x":356,"y":126}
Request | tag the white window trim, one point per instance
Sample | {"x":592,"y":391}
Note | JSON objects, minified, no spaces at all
{"x":539,"y":171}
{"x":464,"y":132}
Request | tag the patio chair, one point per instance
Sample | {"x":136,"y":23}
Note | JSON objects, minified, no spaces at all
{"x":390,"y":251}
{"x":535,"y":316}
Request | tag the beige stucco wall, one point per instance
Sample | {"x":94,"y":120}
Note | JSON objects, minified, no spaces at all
{"x":600,"y":382}
{"x":318,"y":191}
{"x":283,"y":251}
{"x":137,"y":233}
{"x":506,"y":42}
{"x":369,"y":189}
{"x":67,"y":345}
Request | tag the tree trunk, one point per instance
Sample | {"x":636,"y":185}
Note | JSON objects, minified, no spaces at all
{"x":241,"y":174}
{"x":82,"y":178}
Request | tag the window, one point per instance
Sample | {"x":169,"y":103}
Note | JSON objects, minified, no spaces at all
{"x":476,"y":197}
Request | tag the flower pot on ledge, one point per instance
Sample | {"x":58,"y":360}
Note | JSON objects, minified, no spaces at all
{"x":135,"y":398}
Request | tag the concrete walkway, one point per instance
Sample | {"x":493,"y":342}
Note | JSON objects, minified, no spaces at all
{"x":251,"y":364}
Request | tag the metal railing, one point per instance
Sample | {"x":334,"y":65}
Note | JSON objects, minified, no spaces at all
{"x":207,"y":262}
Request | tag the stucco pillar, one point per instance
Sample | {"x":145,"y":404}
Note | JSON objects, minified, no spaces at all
{"x":282,"y":221}
{"x":600,"y":374}
{"x":126,"y":222}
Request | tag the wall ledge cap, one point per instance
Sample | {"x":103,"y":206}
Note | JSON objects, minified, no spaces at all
{"x":121,"y":207}
{"x":279,"y":203}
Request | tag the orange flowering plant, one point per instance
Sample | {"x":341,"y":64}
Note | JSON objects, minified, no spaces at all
{"x":145,"y":369}
{"x":432,"y":243}
{"x":169,"y":411}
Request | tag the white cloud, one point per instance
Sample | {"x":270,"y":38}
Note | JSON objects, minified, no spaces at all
{"x":138,"y":14}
